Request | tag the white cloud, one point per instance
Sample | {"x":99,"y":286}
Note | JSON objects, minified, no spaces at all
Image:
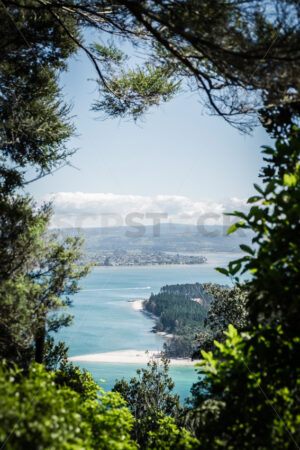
{"x":79,"y":209}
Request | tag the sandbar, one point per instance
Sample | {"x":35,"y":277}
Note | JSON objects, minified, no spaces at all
{"x":130,"y":357}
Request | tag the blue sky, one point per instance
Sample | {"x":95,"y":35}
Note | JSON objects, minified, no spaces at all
{"x":177,"y":150}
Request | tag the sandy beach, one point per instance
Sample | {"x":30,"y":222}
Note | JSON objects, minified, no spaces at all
{"x":132,"y":356}
{"x":129,"y":357}
{"x":137,"y":305}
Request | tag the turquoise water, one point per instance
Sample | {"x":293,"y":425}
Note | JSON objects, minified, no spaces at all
{"x":183,"y":377}
{"x":105,"y":321}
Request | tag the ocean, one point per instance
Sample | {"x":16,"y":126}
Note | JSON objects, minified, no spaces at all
{"x":105,"y":321}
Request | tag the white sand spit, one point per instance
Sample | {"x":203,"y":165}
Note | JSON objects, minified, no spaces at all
{"x":129,"y":357}
{"x":137,"y":305}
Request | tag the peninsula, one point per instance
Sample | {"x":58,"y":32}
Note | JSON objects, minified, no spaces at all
{"x":139,"y":258}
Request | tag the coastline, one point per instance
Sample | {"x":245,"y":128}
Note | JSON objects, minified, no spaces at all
{"x":134,"y":266}
{"x":137,"y":305}
{"x":130,"y":357}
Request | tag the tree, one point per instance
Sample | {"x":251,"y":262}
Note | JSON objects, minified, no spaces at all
{"x":183,"y":345}
{"x":78,"y":380}
{"x":20,"y":231}
{"x":228,"y":307}
{"x":249,"y":397}
{"x":57,"y":274}
{"x":170,"y":437}
{"x":150,"y":399}
{"x":38,"y":276}
{"x":242,"y":56}
{"x":229,"y":50}
{"x":34,"y":120}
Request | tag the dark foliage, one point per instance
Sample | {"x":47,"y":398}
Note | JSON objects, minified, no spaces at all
{"x":249,"y":396}
{"x":149,"y":397}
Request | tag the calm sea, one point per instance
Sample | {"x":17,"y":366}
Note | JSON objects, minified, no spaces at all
{"x":105,"y":321}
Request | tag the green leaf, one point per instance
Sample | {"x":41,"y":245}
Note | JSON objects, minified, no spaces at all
{"x":257,"y":212}
{"x":289,"y":179}
{"x":222,"y":270}
{"x":259,"y":189}
{"x":254,"y":198}
{"x":234,"y":227}
{"x":232,"y":331}
{"x":270,"y":187}
{"x":234,"y":267}
{"x":247,"y":249}
{"x":268,"y":150}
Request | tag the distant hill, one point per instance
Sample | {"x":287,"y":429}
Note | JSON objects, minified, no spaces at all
{"x":167,"y":238}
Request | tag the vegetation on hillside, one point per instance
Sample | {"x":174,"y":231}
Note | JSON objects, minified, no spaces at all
{"x":99,"y":242}
{"x":177,"y":315}
{"x":227,"y":307}
{"x":196,"y":314}
{"x":191,"y":291}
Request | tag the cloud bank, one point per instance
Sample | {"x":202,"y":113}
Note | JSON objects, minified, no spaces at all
{"x":85,"y":210}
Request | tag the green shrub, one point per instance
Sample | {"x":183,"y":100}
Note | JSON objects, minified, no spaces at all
{"x":37,"y":413}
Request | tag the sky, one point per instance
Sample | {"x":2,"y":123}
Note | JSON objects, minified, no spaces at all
{"x":177,"y":161}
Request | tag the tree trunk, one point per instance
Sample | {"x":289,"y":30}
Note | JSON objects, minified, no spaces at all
{"x":40,"y":343}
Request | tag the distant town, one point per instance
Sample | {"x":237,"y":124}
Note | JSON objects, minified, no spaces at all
{"x":139,"y":258}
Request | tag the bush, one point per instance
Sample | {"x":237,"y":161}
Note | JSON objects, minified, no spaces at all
{"x":250,"y":395}
{"x":36,"y":413}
